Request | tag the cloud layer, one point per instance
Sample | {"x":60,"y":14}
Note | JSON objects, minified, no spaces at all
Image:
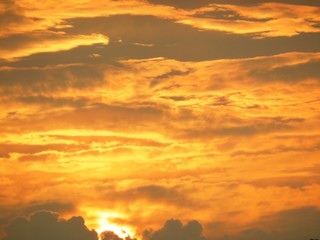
{"x":135,"y":112}
{"x":46,"y":225}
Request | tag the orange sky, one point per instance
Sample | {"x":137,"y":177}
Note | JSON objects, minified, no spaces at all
{"x":131,"y":113}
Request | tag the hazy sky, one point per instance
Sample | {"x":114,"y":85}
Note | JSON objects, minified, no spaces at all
{"x":166,"y":119}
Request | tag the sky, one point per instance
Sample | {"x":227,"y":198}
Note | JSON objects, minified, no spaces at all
{"x":159,"y":119}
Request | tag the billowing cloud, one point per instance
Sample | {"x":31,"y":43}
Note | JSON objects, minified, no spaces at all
{"x":174,"y":230}
{"x":47,"y":225}
{"x":295,"y":224}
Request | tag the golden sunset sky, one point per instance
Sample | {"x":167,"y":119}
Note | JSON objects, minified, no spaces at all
{"x":130,"y":113}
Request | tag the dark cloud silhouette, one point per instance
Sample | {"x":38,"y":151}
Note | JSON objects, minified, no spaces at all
{"x":170,"y":39}
{"x":47,"y":225}
{"x":8,"y":213}
{"x":294,"y":224}
{"x":175,"y":230}
{"x":109,"y":235}
{"x":182,"y":42}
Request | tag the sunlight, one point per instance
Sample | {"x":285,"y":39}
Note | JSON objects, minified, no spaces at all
{"x":106,"y":225}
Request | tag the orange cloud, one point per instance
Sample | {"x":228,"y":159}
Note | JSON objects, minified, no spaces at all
{"x":161,"y":120}
{"x":51,"y":42}
{"x":264,"y":20}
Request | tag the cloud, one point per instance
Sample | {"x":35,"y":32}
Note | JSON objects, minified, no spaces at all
{"x":294,"y":224}
{"x":17,"y":46}
{"x":160,"y":109}
{"x":7,"y":149}
{"x":11,"y":211}
{"x":153,"y":194}
{"x":292,"y":73}
{"x":48,"y":225}
{"x":109,"y":235}
{"x":175,"y":230}
{"x":258,"y":19}
{"x":170,"y":40}
{"x":27,"y":81}
{"x":190,"y":4}
{"x":187,"y":4}
{"x":12,"y":20}
{"x":24,"y":35}
{"x":49,"y":206}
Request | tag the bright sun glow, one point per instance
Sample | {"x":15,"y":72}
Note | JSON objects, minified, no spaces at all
{"x":106,"y":225}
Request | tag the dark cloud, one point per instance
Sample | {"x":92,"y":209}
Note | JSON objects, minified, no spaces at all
{"x":169,"y":74}
{"x":201,"y":3}
{"x":95,"y":116}
{"x":182,"y":3}
{"x":175,"y":230}
{"x":10,"y":16}
{"x":48,"y":225}
{"x":9,"y":212}
{"x":295,"y":224}
{"x":226,"y":14}
{"x":182,"y":42}
{"x":43,"y":80}
{"x":53,"y":101}
{"x":7,"y":148}
{"x":178,"y":98}
{"x":18,"y":41}
{"x":293,"y":73}
{"x":170,"y":39}
{"x":154,"y":193}
{"x":121,"y":140}
{"x":108,"y":235}
{"x":247,"y":130}
{"x":293,"y":181}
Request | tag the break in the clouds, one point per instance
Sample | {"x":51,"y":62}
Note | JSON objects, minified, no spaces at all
{"x":130,"y":113}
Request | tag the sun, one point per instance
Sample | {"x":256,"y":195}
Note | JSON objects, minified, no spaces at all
{"x":105,"y":224}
